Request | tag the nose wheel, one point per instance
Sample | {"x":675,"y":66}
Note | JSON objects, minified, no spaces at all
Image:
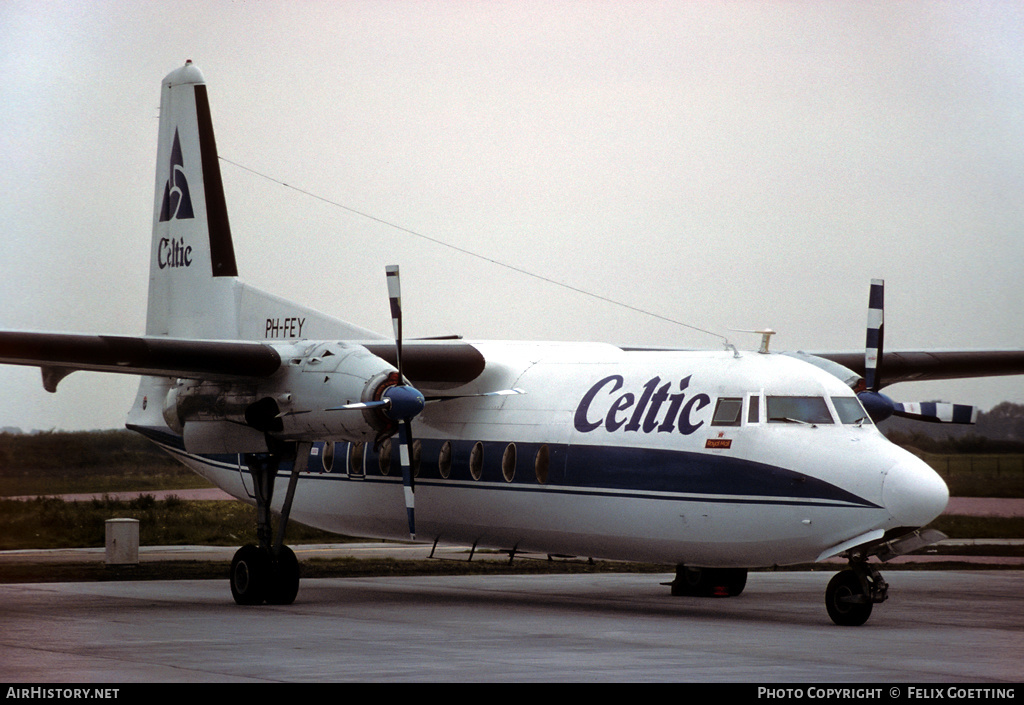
{"x":852,"y":593}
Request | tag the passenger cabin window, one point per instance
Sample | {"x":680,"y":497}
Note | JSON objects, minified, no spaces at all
{"x":444,"y":460}
{"x":540,"y":464}
{"x":417,"y":452}
{"x":476,"y":461}
{"x":384,"y":457}
{"x":850,"y":410}
{"x":727,"y":412}
{"x":355,"y":459}
{"x":808,"y":410}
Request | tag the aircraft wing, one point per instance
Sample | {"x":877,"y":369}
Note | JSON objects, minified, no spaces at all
{"x":924,"y":365}
{"x":60,"y":354}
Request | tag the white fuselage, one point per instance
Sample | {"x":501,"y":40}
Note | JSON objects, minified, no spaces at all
{"x":666,"y":457}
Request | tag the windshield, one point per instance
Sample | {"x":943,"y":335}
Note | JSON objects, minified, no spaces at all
{"x":850,"y":410}
{"x":810,"y":410}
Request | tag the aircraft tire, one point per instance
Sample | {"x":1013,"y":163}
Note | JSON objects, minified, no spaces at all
{"x":846,"y":601}
{"x":250,"y":575}
{"x":284,"y":579}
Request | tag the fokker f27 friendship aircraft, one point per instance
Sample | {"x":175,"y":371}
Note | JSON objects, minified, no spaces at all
{"x":712,"y":461}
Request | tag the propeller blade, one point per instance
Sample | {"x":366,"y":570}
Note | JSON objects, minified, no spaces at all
{"x":405,"y":459}
{"x":876,"y":329}
{"x":937,"y":412}
{"x":382,"y":404}
{"x":395,"y":297}
{"x":879,"y":406}
{"x":500,"y":393}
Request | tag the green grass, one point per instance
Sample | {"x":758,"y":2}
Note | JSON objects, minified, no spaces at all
{"x":980,"y":475}
{"x":53,"y":523}
{"x":969,"y":527}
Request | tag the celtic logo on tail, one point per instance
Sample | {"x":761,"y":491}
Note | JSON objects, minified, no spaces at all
{"x":177,"y":201}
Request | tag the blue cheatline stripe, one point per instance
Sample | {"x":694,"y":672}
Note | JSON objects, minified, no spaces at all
{"x":589,"y":470}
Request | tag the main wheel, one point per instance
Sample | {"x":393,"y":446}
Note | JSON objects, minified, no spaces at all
{"x":284,"y":578}
{"x":847,"y":603}
{"x":250,"y":575}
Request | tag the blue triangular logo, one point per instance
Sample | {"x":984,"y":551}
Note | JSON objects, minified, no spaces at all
{"x":177,"y":201}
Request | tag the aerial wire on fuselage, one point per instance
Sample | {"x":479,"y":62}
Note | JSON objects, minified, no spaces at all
{"x":477,"y":255}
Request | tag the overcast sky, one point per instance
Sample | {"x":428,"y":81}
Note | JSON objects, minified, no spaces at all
{"x":729,"y":165}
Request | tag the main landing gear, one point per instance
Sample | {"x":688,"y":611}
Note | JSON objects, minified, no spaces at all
{"x":269,"y":572}
{"x":708,"y":582}
{"x":853,"y":592}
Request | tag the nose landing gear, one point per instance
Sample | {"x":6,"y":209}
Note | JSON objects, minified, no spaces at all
{"x":852,"y":593}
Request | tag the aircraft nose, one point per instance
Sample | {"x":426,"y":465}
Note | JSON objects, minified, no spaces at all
{"x":914,"y":493}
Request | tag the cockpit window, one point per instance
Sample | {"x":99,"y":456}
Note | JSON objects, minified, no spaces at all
{"x":850,"y":410}
{"x":727,"y":412}
{"x":810,"y":410}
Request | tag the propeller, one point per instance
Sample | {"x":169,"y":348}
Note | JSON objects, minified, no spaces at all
{"x":878,"y":405}
{"x":402,"y":402}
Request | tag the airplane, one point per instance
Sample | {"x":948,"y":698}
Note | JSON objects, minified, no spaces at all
{"x":713,"y":461}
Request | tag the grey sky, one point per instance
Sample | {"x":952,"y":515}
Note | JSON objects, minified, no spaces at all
{"x":732,"y":165}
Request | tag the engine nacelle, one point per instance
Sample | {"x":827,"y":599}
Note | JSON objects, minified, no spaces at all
{"x":294,"y":404}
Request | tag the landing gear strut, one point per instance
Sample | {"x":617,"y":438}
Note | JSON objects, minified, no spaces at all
{"x":852,"y":593}
{"x":269,"y":572}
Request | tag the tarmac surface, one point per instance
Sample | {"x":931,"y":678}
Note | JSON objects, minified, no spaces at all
{"x":937,"y":627}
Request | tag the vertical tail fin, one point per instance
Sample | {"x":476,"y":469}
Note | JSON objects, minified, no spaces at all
{"x":192,"y":257}
{"x":194,"y":291}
